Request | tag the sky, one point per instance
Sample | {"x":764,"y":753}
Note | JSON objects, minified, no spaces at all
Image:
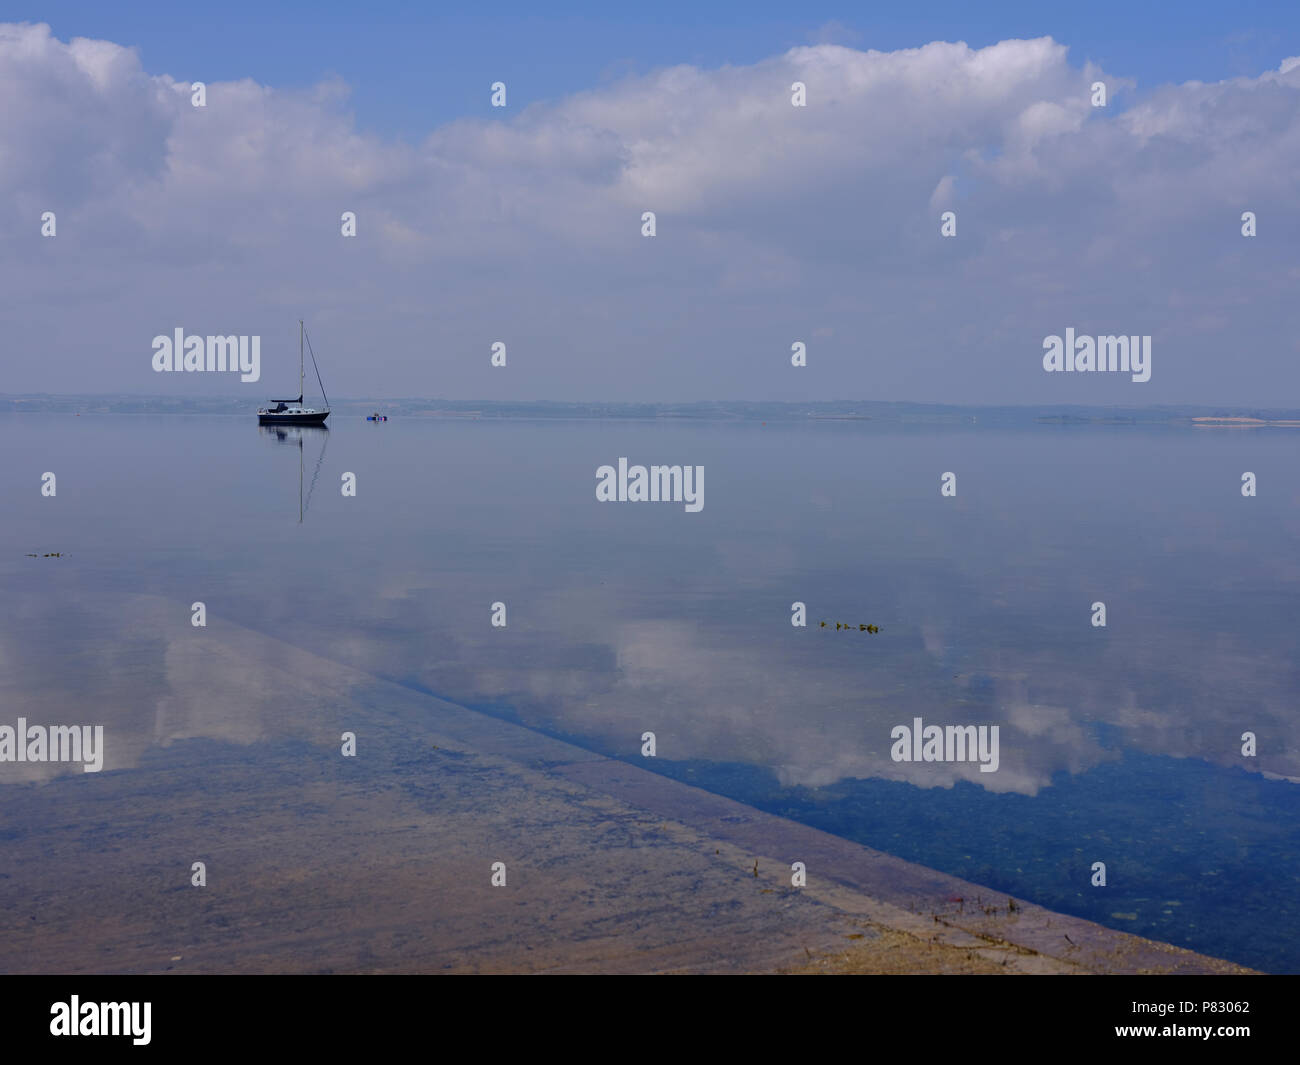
{"x":775,"y":224}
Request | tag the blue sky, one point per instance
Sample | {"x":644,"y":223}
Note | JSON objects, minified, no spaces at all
{"x":777,"y":224}
{"x":413,"y":66}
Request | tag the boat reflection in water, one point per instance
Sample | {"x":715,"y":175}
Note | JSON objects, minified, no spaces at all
{"x":295,"y":435}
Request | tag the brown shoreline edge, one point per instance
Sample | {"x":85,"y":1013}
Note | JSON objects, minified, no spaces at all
{"x":381,"y":863}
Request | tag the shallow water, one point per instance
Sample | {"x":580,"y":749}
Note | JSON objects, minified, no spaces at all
{"x":1119,"y":744}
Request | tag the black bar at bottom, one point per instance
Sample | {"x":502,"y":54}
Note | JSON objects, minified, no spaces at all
{"x":340,"y":1014}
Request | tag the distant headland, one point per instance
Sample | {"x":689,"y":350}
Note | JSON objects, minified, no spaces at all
{"x":834,"y":411}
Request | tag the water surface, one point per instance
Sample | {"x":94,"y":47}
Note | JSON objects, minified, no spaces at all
{"x":1119,"y":744}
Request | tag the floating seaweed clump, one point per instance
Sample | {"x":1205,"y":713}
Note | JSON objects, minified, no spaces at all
{"x":861,"y":628}
{"x":48,"y":554}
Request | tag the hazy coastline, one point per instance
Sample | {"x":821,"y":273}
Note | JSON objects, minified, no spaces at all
{"x":719,"y":410}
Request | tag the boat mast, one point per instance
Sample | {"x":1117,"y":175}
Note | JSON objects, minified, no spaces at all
{"x":300,"y":391}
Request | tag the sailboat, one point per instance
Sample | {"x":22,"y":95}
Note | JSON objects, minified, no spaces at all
{"x":292,"y":411}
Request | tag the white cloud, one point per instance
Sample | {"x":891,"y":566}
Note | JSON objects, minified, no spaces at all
{"x":769,"y":216}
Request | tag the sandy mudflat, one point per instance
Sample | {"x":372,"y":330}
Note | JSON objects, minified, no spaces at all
{"x":381,"y":863}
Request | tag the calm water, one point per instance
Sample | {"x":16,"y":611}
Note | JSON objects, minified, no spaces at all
{"x":1119,"y":744}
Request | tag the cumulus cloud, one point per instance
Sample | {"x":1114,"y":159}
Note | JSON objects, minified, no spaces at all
{"x":772,"y":220}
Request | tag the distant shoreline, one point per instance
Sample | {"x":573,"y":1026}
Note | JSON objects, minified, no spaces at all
{"x":1246,"y":423}
{"x":706,"y":411}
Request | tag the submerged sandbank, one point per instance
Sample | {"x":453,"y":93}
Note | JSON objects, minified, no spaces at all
{"x":383,"y":862}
